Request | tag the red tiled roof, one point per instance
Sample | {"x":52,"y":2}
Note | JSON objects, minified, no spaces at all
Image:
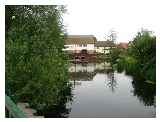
{"x":123,"y":45}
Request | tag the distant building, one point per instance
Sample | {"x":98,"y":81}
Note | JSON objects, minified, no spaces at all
{"x":104,"y":46}
{"x":123,"y":45}
{"x":88,"y":44}
{"x":80,"y":43}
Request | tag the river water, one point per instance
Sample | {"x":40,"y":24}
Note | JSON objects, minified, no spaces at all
{"x":98,"y":91}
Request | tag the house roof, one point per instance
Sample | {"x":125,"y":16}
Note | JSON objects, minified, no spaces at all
{"x":122,"y":45}
{"x":80,"y":39}
{"x":104,"y":44}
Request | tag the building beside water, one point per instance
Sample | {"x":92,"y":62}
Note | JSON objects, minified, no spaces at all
{"x":87,"y":44}
{"x":80,"y":43}
{"x":104,"y":47}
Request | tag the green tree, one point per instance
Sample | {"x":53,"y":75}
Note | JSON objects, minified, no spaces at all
{"x":143,"y":49}
{"x":36,"y":67}
{"x":140,"y":58}
{"x":115,"y":54}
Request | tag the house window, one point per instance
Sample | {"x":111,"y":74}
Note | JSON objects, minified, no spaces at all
{"x":84,"y":45}
{"x":81,"y":45}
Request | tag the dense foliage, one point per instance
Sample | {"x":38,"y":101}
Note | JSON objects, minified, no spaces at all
{"x":140,"y":58}
{"x":36,"y":67}
{"x":145,"y":92}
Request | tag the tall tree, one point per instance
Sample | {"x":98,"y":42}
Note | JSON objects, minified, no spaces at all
{"x":36,"y":67}
{"x":143,"y":49}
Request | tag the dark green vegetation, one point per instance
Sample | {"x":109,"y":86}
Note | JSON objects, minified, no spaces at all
{"x":139,"y":59}
{"x":36,"y":67}
{"x":145,"y":92}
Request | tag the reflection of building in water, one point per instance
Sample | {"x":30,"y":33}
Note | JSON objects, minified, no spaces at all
{"x":89,"y":67}
{"x":86,"y":72}
{"x":81,"y":68}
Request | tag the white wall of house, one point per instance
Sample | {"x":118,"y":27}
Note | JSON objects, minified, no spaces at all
{"x":88,"y":47}
{"x":79,"y":47}
{"x":105,"y":50}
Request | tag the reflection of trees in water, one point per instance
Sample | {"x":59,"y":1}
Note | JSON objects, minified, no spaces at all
{"x":111,"y":81}
{"x":145,"y":92}
{"x":82,"y":76}
{"x":56,"y":111}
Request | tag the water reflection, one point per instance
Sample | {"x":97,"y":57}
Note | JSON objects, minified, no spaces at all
{"x":111,"y":81}
{"x":57,"y":111}
{"x":61,"y":110}
{"x":98,"y":91}
{"x":101,"y":92}
{"x":145,"y":92}
{"x":86,"y":71}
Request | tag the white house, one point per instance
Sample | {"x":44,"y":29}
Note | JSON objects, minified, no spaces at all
{"x":87,"y":43}
{"x":79,"y":43}
{"x":104,"y":46}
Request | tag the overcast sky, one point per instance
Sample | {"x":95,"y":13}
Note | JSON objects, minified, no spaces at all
{"x":98,"y":17}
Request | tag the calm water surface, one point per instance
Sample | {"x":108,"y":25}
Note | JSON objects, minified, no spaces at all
{"x":100,"y":92}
